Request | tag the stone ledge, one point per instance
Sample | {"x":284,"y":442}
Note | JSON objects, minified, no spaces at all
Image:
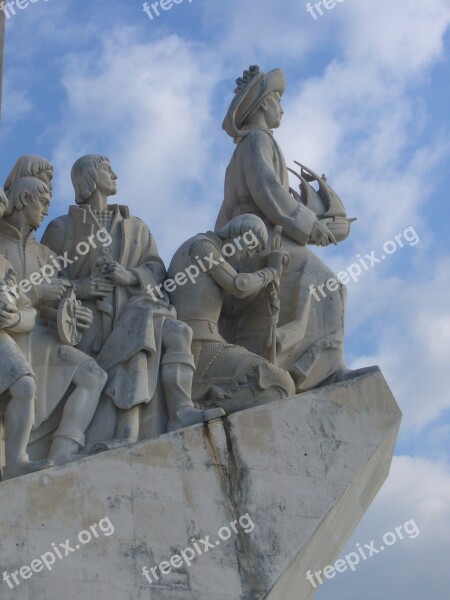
{"x":305,"y":469}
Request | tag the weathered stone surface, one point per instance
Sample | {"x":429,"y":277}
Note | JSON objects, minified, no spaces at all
{"x":305,"y":470}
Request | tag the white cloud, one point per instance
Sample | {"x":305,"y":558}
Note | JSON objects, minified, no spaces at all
{"x":413,"y":342}
{"x":151,"y":103}
{"x":150,"y":106}
{"x":361,"y":122}
{"x":401,"y":37}
{"x":257,"y":30}
{"x":17,"y":103}
{"x":415,"y":568}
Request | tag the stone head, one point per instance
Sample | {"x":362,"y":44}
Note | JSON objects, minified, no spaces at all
{"x":93,"y":173}
{"x":31,"y":197}
{"x":31,"y":165}
{"x":246,"y":233}
{"x":257,"y":102}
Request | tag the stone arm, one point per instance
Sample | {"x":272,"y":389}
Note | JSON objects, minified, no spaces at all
{"x":225,"y":213}
{"x":268,"y":192}
{"x":27,"y":320}
{"x":150,"y":269}
{"x":55,"y":236}
{"x":27,"y":313}
{"x":238,"y":285}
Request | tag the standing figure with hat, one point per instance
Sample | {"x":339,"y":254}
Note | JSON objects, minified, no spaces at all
{"x":310,"y":333}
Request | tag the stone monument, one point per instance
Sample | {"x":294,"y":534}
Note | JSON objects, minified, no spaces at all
{"x":205,"y":439}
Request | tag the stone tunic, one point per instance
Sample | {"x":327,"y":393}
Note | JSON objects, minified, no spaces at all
{"x":13,"y":364}
{"x":53,"y":363}
{"x":310,"y":333}
{"x":125,"y":337}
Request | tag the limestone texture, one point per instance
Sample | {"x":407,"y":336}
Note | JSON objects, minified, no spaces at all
{"x":304,"y":469}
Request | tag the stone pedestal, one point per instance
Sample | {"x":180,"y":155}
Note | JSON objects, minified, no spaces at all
{"x":304,"y":469}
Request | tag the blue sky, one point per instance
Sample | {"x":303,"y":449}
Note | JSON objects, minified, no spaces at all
{"x":366,"y":103}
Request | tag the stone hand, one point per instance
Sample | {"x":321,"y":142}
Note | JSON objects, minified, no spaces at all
{"x":118,"y":275}
{"x":9,"y":317}
{"x":275,"y":260}
{"x":321,"y":235}
{"x":95,"y":286}
{"x":84,"y":317}
{"x":53,"y":291}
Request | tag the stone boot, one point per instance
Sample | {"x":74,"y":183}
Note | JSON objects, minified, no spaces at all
{"x":177,"y":372}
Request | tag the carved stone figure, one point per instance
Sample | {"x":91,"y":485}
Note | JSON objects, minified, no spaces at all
{"x":17,"y":380}
{"x":310,"y":335}
{"x":132,"y":334}
{"x":68,"y":381}
{"x":226,"y":375}
{"x":30,"y":165}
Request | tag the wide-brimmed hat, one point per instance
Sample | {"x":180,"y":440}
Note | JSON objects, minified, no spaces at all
{"x":252,"y":87}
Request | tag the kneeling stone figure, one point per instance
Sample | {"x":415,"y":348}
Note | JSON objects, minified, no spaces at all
{"x":226,"y":375}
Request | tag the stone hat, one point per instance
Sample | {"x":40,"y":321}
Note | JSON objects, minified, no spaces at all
{"x":252,"y":87}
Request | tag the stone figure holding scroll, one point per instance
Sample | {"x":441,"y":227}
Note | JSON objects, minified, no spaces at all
{"x":138,"y":341}
{"x":226,"y":375}
{"x":68,"y":381}
{"x":310,"y":334}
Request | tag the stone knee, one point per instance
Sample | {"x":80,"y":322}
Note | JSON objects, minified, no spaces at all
{"x":24,"y":388}
{"x":176,"y":336}
{"x":271,"y":377}
{"x":91,"y":376}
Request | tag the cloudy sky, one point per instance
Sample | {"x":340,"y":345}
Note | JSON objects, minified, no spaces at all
{"x":366,"y":103}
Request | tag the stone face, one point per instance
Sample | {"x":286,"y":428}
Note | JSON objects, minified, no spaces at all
{"x":304,"y":470}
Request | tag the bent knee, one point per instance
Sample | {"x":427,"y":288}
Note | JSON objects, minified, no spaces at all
{"x":177,"y":336}
{"x":273,"y":376}
{"x":91,"y":375}
{"x":25,"y":387}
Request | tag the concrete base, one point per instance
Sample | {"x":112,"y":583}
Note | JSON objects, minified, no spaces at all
{"x":304,"y":469}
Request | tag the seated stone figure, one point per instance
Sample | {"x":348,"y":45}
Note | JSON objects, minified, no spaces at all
{"x":139,"y":342}
{"x":68,"y":381}
{"x":310,"y":335}
{"x":226,"y":375}
{"x":17,"y":380}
